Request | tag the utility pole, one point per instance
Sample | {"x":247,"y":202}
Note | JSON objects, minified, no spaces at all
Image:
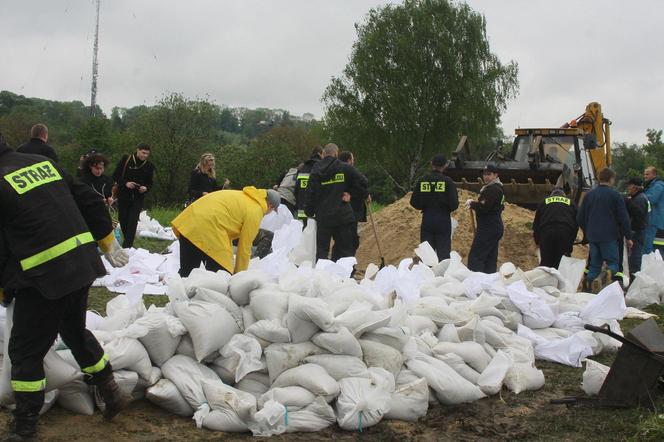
{"x":93,"y":99}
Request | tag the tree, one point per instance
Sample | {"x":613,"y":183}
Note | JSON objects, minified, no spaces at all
{"x":420,"y":75}
{"x":654,"y":148}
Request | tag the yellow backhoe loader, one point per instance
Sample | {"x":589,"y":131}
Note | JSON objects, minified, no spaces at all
{"x":542,"y":158}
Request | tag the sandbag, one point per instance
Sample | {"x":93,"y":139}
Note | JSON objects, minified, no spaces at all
{"x":201,"y":278}
{"x":395,"y":337}
{"x":311,"y":309}
{"x":210,"y":326}
{"x":268,"y":303}
{"x":163,"y":337}
{"x":206,"y":295}
{"x":127,"y":353}
{"x":536,"y":312}
{"x":235,"y":405}
{"x":471,"y":352}
{"x":316,"y":416}
{"x":76,"y":397}
{"x":293,"y":396}
{"x":339,"y":366}
{"x":300,"y":330}
{"x":361,"y":320}
{"x":457,"y":363}
{"x":120,"y":313}
{"x":281,"y":357}
{"x":241,"y":356}
{"x":449,"y":386}
{"x":643,"y":292}
{"x":242,"y":283}
{"x":166,"y":395}
{"x":409,"y":402}
{"x":361,"y":403}
{"x":188,"y":375}
{"x":269,"y":330}
{"x":341,"y":342}
{"x":310,"y":376}
{"x":491,"y":379}
{"x":376,"y":354}
{"x":419,"y":324}
{"x":253,"y":385}
{"x":593,"y":377}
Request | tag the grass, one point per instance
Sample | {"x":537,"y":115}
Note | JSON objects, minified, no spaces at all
{"x":376,"y":207}
{"x":164,"y":214}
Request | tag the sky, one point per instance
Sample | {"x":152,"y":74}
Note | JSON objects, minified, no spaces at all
{"x":282,"y":54}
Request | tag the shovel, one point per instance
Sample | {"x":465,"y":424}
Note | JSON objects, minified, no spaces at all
{"x":373,"y":227}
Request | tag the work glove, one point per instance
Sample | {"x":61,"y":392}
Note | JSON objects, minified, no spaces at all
{"x":5,"y":298}
{"x":468,"y":203}
{"x":113,"y":252}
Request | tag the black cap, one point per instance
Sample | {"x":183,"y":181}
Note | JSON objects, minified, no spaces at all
{"x":635,"y":181}
{"x":490,"y":167}
{"x":439,"y":160}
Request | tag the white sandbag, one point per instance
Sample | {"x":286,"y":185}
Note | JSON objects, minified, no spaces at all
{"x":419,"y":324}
{"x":427,"y":254}
{"x":121,"y":311}
{"x":293,"y":396}
{"x":242,"y":355}
{"x":270,"y":420}
{"x":300,"y":330}
{"x":210,"y":326}
{"x":50,"y":398}
{"x":188,"y":375}
{"x":271,"y":331}
{"x":361,"y":403}
{"x":341,"y":342}
{"x":207,"y":295}
{"x":281,"y":357}
{"x":242,"y":283}
{"x":186,"y":347}
{"x":166,"y":395}
{"x":247,"y":316}
{"x":129,"y":354}
{"x":457,"y":363}
{"x":126,"y":380}
{"x":144,"y":383}
{"x":76,"y":397}
{"x":607,"y":305}
{"x":201,"y":278}
{"x":643,"y":292}
{"x":163,"y":337}
{"x":362,"y":320}
{"x":449,"y":386}
{"x":439,"y":312}
{"x":471,"y":331}
{"x":395,"y":337}
{"x":316,"y":416}
{"x":252,"y":383}
{"x":409,"y":402}
{"x":543,"y":276}
{"x":305,"y":250}
{"x":376,"y":354}
{"x":310,"y":376}
{"x":523,"y":375}
{"x":536,"y":312}
{"x":219,"y":420}
{"x":471,"y":352}
{"x":491,"y":379}
{"x":311,"y":309}
{"x":448,"y":333}
{"x":593,"y":377}
{"x":268,"y":302}
{"x":339,"y":366}
{"x":223,"y":397}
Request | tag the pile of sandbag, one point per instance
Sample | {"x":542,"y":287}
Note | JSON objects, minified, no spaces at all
{"x":648,"y":285}
{"x":300,"y":347}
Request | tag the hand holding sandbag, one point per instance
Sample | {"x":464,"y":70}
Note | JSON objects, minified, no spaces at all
{"x":113,"y":252}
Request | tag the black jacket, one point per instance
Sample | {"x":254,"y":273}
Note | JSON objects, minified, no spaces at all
{"x":328,"y":181}
{"x":301,"y":184}
{"x":37,"y":146}
{"x":489,"y":206}
{"x":638,"y":208}
{"x":556,"y":212}
{"x":359,"y":205}
{"x":436,"y":196}
{"x":200,"y":182}
{"x":49,"y":222}
{"x":140,"y":172}
{"x":102,"y":185}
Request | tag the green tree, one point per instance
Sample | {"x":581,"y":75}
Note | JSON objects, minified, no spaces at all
{"x":654,"y":148}
{"x":420,"y":74}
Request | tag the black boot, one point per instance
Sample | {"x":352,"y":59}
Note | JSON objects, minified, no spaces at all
{"x":23,"y":428}
{"x":113,"y":397}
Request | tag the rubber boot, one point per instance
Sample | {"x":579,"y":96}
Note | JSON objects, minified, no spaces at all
{"x":23,"y":428}
{"x":113,"y":397}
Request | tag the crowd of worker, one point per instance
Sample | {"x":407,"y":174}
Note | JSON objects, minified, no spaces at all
{"x":52,"y":224}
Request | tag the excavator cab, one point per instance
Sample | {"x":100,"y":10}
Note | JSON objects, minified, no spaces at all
{"x":541,"y":159}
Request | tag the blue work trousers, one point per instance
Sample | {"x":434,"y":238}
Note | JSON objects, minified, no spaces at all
{"x":600,"y":252}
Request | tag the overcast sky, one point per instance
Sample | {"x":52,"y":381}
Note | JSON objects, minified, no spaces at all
{"x":282,"y":54}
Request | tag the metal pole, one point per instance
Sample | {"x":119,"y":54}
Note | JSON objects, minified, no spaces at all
{"x":93,"y":99}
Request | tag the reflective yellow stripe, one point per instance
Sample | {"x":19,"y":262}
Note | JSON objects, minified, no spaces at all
{"x":338,"y":178}
{"x":57,"y":250}
{"x":99,"y":366}
{"x":620,"y":274}
{"x":557,"y":199}
{"x":440,"y":186}
{"x":303,"y":178}
{"x":658,"y":242}
{"x":29,"y":386}
{"x":28,"y":178}
{"x":425,"y":187}
{"x":301,"y":214}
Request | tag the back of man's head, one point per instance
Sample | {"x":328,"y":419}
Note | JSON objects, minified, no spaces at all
{"x":346,"y":157}
{"x":39,"y":131}
{"x":606,"y":175}
{"x":317,"y":152}
{"x":330,"y":150}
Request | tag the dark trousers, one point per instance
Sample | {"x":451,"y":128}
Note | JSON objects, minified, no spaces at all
{"x":483,"y":256}
{"x":601,"y":252}
{"x":37,"y":322}
{"x":343,"y":241}
{"x":636,"y":254}
{"x":356,"y":238}
{"x":441,"y":241}
{"x":128,"y":211}
{"x":191,"y":258}
{"x":555,"y":241}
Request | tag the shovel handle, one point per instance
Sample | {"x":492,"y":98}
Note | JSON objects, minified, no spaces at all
{"x":607,"y":331}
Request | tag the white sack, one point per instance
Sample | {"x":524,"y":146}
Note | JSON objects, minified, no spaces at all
{"x":471,"y":352}
{"x":409,"y":402}
{"x":163,"y":338}
{"x":593,"y":377}
{"x":207,"y":295}
{"x":491,"y":379}
{"x":310,"y":376}
{"x":188,"y":375}
{"x":243,"y":283}
{"x":293,"y":396}
{"x":536,"y":312}
{"x":361,"y":403}
{"x":76,"y":397}
{"x":341,"y":342}
{"x":339,"y":366}
{"x":271,"y":331}
{"x":268,"y":302}
{"x":281,"y":357}
{"x":202,"y":278}
{"x":316,"y":416}
{"x":127,"y":353}
{"x":457,"y":363}
{"x":380,"y":355}
{"x":244,"y":354}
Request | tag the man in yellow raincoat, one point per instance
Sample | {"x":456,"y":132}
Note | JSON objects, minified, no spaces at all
{"x":207,"y":228}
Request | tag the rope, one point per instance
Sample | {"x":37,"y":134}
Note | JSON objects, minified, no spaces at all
{"x":286,"y":415}
{"x":360,"y":423}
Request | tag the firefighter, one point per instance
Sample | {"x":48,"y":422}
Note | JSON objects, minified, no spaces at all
{"x":436,"y":196}
{"x":483,"y":255}
{"x":555,"y":228}
{"x":303,"y":179}
{"x":332,"y":185}
{"x":51,"y":226}
{"x":638,"y":208}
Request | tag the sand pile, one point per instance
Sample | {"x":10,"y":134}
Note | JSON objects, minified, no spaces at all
{"x":398,"y":227}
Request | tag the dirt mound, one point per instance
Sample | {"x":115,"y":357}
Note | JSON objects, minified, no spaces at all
{"x":398,"y":227}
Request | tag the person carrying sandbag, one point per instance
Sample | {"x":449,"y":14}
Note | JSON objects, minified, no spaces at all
{"x":50,"y":227}
{"x":207,"y":228}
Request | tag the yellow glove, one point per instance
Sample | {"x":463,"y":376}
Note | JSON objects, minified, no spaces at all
{"x":113,"y":252}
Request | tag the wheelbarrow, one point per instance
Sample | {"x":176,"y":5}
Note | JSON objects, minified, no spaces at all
{"x":635,"y":376}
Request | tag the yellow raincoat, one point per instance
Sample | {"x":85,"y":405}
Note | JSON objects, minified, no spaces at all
{"x":213,"y":221}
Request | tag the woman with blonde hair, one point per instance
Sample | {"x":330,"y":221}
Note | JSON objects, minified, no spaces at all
{"x":203,"y":179}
